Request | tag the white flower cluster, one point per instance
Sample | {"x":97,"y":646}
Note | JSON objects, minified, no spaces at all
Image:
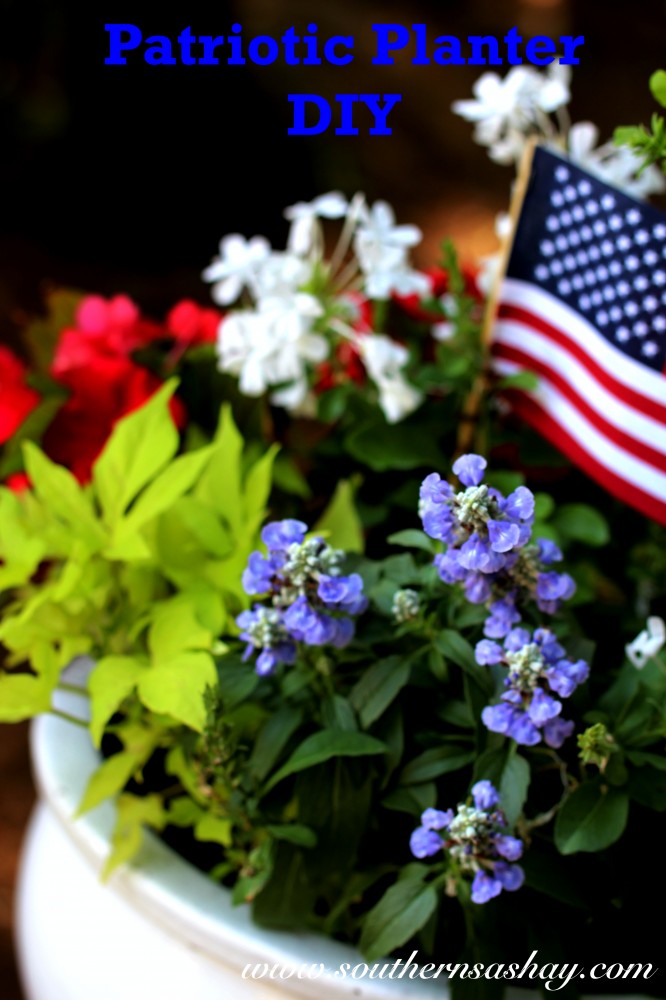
{"x":283,"y":328}
{"x":507,"y":112}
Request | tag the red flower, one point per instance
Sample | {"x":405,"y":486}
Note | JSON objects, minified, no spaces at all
{"x":191,"y":325}
{"x":19,"y":482}
{"x":17,"y":399}
{"x":93,"y":360}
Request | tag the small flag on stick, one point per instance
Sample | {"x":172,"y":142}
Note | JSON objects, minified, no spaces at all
{"x":582,"y":305}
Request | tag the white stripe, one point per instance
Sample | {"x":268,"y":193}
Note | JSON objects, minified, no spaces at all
{"x":612,"y":409}
{"x":619,"y":365}
{"x":616,"y":459}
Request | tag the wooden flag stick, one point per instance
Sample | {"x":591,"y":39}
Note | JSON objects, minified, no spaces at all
{"x":469,"y":418}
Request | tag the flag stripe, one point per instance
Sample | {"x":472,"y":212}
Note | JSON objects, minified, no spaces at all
{"x":636,"y":472}
{"x":637,"y":385}
{"x":542,"y":420}
{"x":608,"y":418}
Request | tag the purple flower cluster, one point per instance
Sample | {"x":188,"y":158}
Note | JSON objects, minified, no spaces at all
{"x":476,"y":842}
{"x":538,"y":676}
{"x":310,"y":601}
{"x":489,"y":546}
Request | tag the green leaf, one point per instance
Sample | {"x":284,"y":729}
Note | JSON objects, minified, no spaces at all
{"x":272,"y":740}
{"x":176,"y":687}
{"x":216,"y":829}
{"x":591,"y":819}
{"x":377,"y":688}
{"x":133,"y":812}
{"x":412,"y":538}
{"x":112,"y":680}
{"x":401,"y":912}
{"x":141,"y":444}
{"x":257,"y":488}
{"x":23,"y":696}
{"x":173,"y":482}
{"x":220,"y":487}
{"x":521,"y":380}
{"x":412,"y":799}
{"x":57,"y":488}
{"x":288,"y":478}
{"x":513,"y":787}
{"x":176,"y":628}
{"x":435,"y":762}
{"x":323,"y":746}
{"x":110,"y":778}
{"x":340,"y":521}
{"x":658,"y":86}
{"x":582,"y":523}
{"x":294,"y":833}
{"x":459,"y":651}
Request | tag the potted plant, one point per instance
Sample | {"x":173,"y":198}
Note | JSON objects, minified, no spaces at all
{"x":386,"y":710}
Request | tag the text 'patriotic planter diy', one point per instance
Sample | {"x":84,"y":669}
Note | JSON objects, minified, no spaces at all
{"x":369,"y":581}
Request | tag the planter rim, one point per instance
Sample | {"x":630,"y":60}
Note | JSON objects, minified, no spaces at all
{"x":170,"y":891}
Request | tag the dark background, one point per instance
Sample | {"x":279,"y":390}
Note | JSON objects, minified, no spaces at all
{"x":124,"y":179}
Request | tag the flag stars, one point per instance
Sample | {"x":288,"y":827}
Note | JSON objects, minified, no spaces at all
{"x":599,"y":228}
{"x":578,"y":282}
{"x":633,"y":217}
{"x":564,"y":287}
{"x":609,"y":293}
{"x":622,"y":334}
{"x":578,"y":213}
{"x":650,"y":303}
{"x":570,"y":193}
{"x":582,"y":258}
{"x":659,"y":324}
{"x":641,"y":283}
{"x":659,"y":231}
{"x":608,"y":202}
{"x":615,"y":268}
{"x":641,"y":329}
{"x":649,"y":349}
{"x":556,"y":267}
{"x":615,"y":314}
{"x":623,"y":243}
{"x":584,"y":302}
{"x":623,"y":287}
{"x":602,"y":318}
{"x":557,"y":199}
{"x":642,"y":237}
{"x":541,"y":272}
{"x":586,"y":232}
{"x":632,"y":263}
{"x":547,"y":248}
{"x":565,"y":218}
{"x":615,"y":222}
{"x":592,"y":207}
{"x":631,"y":309}
{"x":552,"y":223}
{"x":602,"y":273}
{"x":570,"y":262}
{"x":650,"y":258}
{"x":562,"y":243}
{"x":562,"y":174}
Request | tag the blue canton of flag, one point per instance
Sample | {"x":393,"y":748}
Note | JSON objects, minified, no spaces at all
{"x":583,"y":306}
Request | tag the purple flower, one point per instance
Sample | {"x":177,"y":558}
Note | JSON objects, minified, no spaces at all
{"x":549,"y":552}
{"x":510,"y":848}
{"x":485,"y":795}
{"x":424,"y":843}
{"x":469,"y":469}
{"x":436,"y":819}
{"x":543,"y":708}
{"x":504,"y":535}
{"x":511,"y":877}
{"x":488,"y":652}
{"x":280,"y":535}
{"x":519,"y":505}
{"x":556,"y":732}
{"x":485,"y":887}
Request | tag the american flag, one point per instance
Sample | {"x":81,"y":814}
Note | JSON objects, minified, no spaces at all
{"x":583,"y":306}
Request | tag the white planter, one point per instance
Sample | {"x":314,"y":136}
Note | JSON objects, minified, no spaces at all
{"x":160,"y":930}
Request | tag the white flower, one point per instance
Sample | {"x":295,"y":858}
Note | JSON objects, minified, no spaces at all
{"x":237,"y":266}
{"x":303,"y":217}
{"x":384,"y":360}
{"x":272,"y":344}
{"x":280,"y":275}
{"x":382,"y":251}
{"x":647,"y":643}
{"x":616,"y":165}
{"x":505,"y":111}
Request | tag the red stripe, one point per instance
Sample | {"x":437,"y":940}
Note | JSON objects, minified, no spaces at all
{"x":624,"y":440}
{"x":541,"y":420}
{"x":633,"y":397}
